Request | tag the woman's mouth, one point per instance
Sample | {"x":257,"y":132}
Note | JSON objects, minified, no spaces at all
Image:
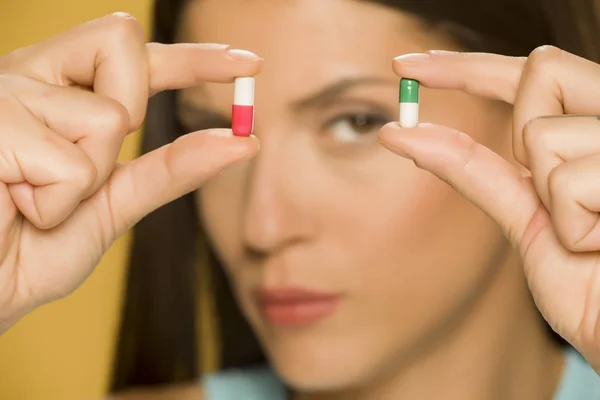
{"x":295,"y":307}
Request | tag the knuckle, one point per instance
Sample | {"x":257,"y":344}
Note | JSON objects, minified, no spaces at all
{"x":467,"y":146}
{"x":558,"y":181}
{"x":545,"y":53}
{"x":114,"y":119}
{"x":125,"y":27}
{"x":46,"y":221}
{"x":543,"y":58}
{"x":84,"y":174}
{"x":530,"y":131}
{"x":568,"y":238}
{"x":534,"y":134}
{"x":135,"y":123}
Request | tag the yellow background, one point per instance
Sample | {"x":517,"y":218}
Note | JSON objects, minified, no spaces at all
{"x":63,"y":351}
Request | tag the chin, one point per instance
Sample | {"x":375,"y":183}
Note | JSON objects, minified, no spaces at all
{"x":320,"y":365}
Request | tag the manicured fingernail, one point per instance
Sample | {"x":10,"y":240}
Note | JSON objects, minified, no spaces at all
{"x":242,"y":55}
{"x":412,"y":58}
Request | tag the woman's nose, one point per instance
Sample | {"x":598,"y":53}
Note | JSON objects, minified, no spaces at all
{"x":274,"y":215}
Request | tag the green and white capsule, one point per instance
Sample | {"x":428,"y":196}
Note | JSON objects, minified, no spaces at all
{"x":409,"y":103}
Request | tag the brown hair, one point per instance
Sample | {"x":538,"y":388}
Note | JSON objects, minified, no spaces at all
{"x":158,"y":337}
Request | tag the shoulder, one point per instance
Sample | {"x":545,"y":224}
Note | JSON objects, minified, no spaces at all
{"x":579,"y":381}
{"x":252,"y":384}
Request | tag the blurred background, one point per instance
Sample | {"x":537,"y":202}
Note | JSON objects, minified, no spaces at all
{"x":63,"y":351}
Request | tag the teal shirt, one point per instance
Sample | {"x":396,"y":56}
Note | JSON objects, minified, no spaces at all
{"x":579,"y":382}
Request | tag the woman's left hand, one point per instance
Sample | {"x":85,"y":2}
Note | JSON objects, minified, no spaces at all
{"x":552,"y":214}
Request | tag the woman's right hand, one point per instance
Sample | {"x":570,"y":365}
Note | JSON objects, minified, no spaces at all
{"x":66,"y":106}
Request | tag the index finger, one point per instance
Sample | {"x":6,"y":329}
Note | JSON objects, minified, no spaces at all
{"x":549,"y":78}
{"x":548,"y":82}
{"x":110,"y":55}
{"x":481,"y":74}
{"x":183,"y":65}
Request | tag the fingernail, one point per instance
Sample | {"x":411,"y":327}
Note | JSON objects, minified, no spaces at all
{"x":412,"y":58}
{"x":242,"y":55}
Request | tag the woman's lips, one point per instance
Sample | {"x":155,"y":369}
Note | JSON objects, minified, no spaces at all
{"x":295,"y":307}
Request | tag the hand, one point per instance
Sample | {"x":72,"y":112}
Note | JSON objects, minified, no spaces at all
{"x":66,"y":105}
{"x":552,"y":216}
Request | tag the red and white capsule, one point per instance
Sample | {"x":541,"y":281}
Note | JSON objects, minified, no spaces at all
{"x":242,"y":113}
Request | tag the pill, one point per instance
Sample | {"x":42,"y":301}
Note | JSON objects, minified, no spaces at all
{"x":242,"y":112}
{"x":409,"y":103}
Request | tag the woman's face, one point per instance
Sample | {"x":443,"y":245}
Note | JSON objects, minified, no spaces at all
{"x":327,"y":209}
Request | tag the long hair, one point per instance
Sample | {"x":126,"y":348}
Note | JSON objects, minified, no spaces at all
{"x":158,"y":337}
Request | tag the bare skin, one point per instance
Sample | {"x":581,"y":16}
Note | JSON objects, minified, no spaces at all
{"x":429,"y":284}
{"x":60,"y":185}
{"x":442,"y":269}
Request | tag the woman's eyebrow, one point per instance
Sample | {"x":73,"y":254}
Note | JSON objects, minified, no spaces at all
{"x":330,"y":93}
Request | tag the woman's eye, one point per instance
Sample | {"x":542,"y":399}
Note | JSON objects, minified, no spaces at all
{"x":352,"y":127}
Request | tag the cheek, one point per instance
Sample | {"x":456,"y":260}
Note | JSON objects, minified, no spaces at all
{"x":407,"y":229}
{"x":220,"y":204}
{"x":422,"y":243}
{"x":421,"y":246}
{"x":413,"y":259}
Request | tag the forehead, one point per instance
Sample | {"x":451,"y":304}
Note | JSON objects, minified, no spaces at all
{"x":307,"y":42}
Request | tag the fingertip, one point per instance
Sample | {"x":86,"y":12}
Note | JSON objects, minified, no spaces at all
{"x":391,"y":130}
{"x":250,"y":145}
{"x":388,"y":130}
{"x":391,"y":137}
{"x":243,"y":146}
{"x":34,"y":206}
{"x":185,"y":65}
{"x":256,"y":142}
{"x":247,"y":69}
{"x":405,"y":62}
{"x":224,"y":132}
{"x":423,"y":136}
{"x":248,"y":63}
{"x":399,"y":69}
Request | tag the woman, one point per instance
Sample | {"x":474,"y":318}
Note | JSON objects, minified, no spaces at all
{"x":362,"y":275}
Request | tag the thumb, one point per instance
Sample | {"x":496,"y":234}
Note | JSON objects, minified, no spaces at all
{"x":480,"y":175}
{"x":561,"y":284}
{"x":167,"y":173}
